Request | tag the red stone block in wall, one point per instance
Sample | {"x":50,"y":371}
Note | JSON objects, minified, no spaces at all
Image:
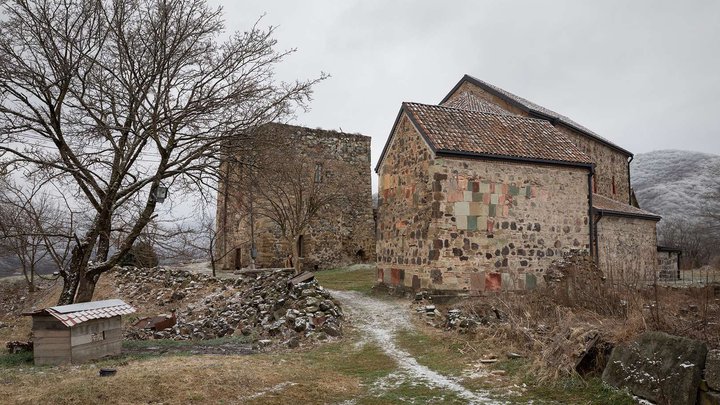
{"x":395,"y":276}
{"x":493,"y":281}
{"x":477,"y":281}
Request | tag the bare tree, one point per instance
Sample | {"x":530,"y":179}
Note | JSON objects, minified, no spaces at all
{"x":289,"y":190}
{"x":33,"y":228}
{"x":696,"y":239}
{"x":118,"y":99}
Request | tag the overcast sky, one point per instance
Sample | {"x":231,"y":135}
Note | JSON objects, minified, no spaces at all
{"x":643,"y":74}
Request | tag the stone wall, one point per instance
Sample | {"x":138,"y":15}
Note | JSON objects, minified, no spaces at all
{"x":340,"y":234}
{"x":611,"y":170}
{"x":668,"y":265}
{"x":627,"y":249}
{"x":611,"y":166}
{"x":474,"y":225}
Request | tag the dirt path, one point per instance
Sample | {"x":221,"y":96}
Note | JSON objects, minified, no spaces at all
{"x":380,"y":321}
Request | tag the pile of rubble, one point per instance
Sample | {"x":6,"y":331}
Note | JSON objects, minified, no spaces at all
{"x":460,"y":318}
{"x":266,"y":306}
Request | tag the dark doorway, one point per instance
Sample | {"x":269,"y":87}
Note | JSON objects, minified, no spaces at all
{"x":238,"y":258}
{"x":301,"y":246}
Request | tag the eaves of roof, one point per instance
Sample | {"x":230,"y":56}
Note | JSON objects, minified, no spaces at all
{"x":467,"y":154}
{"x":504,"y":95}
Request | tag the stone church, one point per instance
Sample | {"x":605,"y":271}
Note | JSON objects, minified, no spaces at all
{"x":484,"y":190}
{"x":336,"y":163}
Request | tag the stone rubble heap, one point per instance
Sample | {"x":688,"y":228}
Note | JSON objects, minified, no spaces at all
{"x":265,"y":306}
{"x":458,"y":318}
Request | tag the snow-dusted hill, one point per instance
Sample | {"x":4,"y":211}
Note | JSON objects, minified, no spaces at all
{"x":672,"y":183}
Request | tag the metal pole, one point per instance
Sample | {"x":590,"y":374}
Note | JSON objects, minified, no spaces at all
{"x":253,"y":250}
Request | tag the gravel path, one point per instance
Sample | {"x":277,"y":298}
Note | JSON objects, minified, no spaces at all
{"x":379,"y":321}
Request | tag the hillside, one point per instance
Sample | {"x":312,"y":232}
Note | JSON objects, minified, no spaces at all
{"x":673,"y":183}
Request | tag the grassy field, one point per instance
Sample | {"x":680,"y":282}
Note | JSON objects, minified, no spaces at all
{"x":352,"y":368}
{"x":359,"y":277}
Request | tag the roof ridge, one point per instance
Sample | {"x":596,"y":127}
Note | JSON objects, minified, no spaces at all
{"x":539,"y":120}
{"x":535,"y":108}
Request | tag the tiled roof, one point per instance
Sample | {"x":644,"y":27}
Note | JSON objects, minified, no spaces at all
{"x":467,"y":101}
{"x":493,"y":135}
{"x":609,"y":206}
{"x":532,"y":107}
{"x":71,"y":315}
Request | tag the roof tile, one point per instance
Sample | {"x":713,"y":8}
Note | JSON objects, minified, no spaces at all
{"x":456,"y":130}
{"x":605,"y":204}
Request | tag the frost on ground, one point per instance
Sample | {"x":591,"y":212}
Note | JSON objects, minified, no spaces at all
{"x":380,"y":321}
{"x":275,"y":389}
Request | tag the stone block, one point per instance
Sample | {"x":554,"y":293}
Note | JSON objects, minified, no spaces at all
{"x":658,"y":367}
{"x":472,"y":223}
{"x":507,"y":282}
{"x":492,"y":281}
{"x":461,"y":221}
{"x":530,"y":281}
{"x":709,"y":398}
{"x":462,"y":208}
{"x":477,"y":281}
{"x":712,"y":369}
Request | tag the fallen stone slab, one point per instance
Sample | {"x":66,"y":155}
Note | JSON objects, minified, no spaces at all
{"x":712,"y":369}
{"x":659,"y":367}
{"x":709,"y":398}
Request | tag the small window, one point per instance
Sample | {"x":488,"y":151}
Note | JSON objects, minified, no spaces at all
{"x":318,"y":172}
{"x":613,"y":185}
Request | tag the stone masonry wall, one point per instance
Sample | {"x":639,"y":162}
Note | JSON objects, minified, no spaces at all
{"x":340,"y":234}
{"x":611,"y":168}
{"x":667,"y":263}
{"x":611,"y":165}
{"x":404,"y":204}
{"x":474,"y":225}
{"x":627,"y":249}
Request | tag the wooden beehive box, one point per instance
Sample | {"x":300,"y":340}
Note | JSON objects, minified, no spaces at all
{"x":78,"y":332}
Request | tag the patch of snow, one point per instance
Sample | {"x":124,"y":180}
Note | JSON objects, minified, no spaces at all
{"x":274,"y":389}
{"x":380,"y":321}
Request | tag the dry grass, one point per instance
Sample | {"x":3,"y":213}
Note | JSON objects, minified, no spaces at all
{"x":262,"y":379}
{"x":556,"y":331}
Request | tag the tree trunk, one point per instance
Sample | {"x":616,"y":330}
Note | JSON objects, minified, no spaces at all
{"x":32,"y":279}
{"x":86,"y":288}
{"x":296,"y":254}
{"x":70,"y":284}
{"x":79,"y":259}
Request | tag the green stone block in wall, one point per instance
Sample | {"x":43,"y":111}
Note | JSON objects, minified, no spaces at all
{"x":472,"y":223}
{"x":507,"y":282}
{"x":530,"y":281}
{"x":528,"y":191}
{"x":514,"y":190}
{"x":491,"y":211}
{"x":477,"y":197}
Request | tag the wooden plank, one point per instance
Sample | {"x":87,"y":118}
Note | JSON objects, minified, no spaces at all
{"x":52,"y":340}
{"x":95,"y":351}
{"x":52,"y":351}
{"x":107,"y":336}
{"x":96,"y":326}
{"x":55,"y":353}
{"x":114,"y":333}
{"x":48,"y":323}
{"x":49,"y":333}
{"x":51,"y":361}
